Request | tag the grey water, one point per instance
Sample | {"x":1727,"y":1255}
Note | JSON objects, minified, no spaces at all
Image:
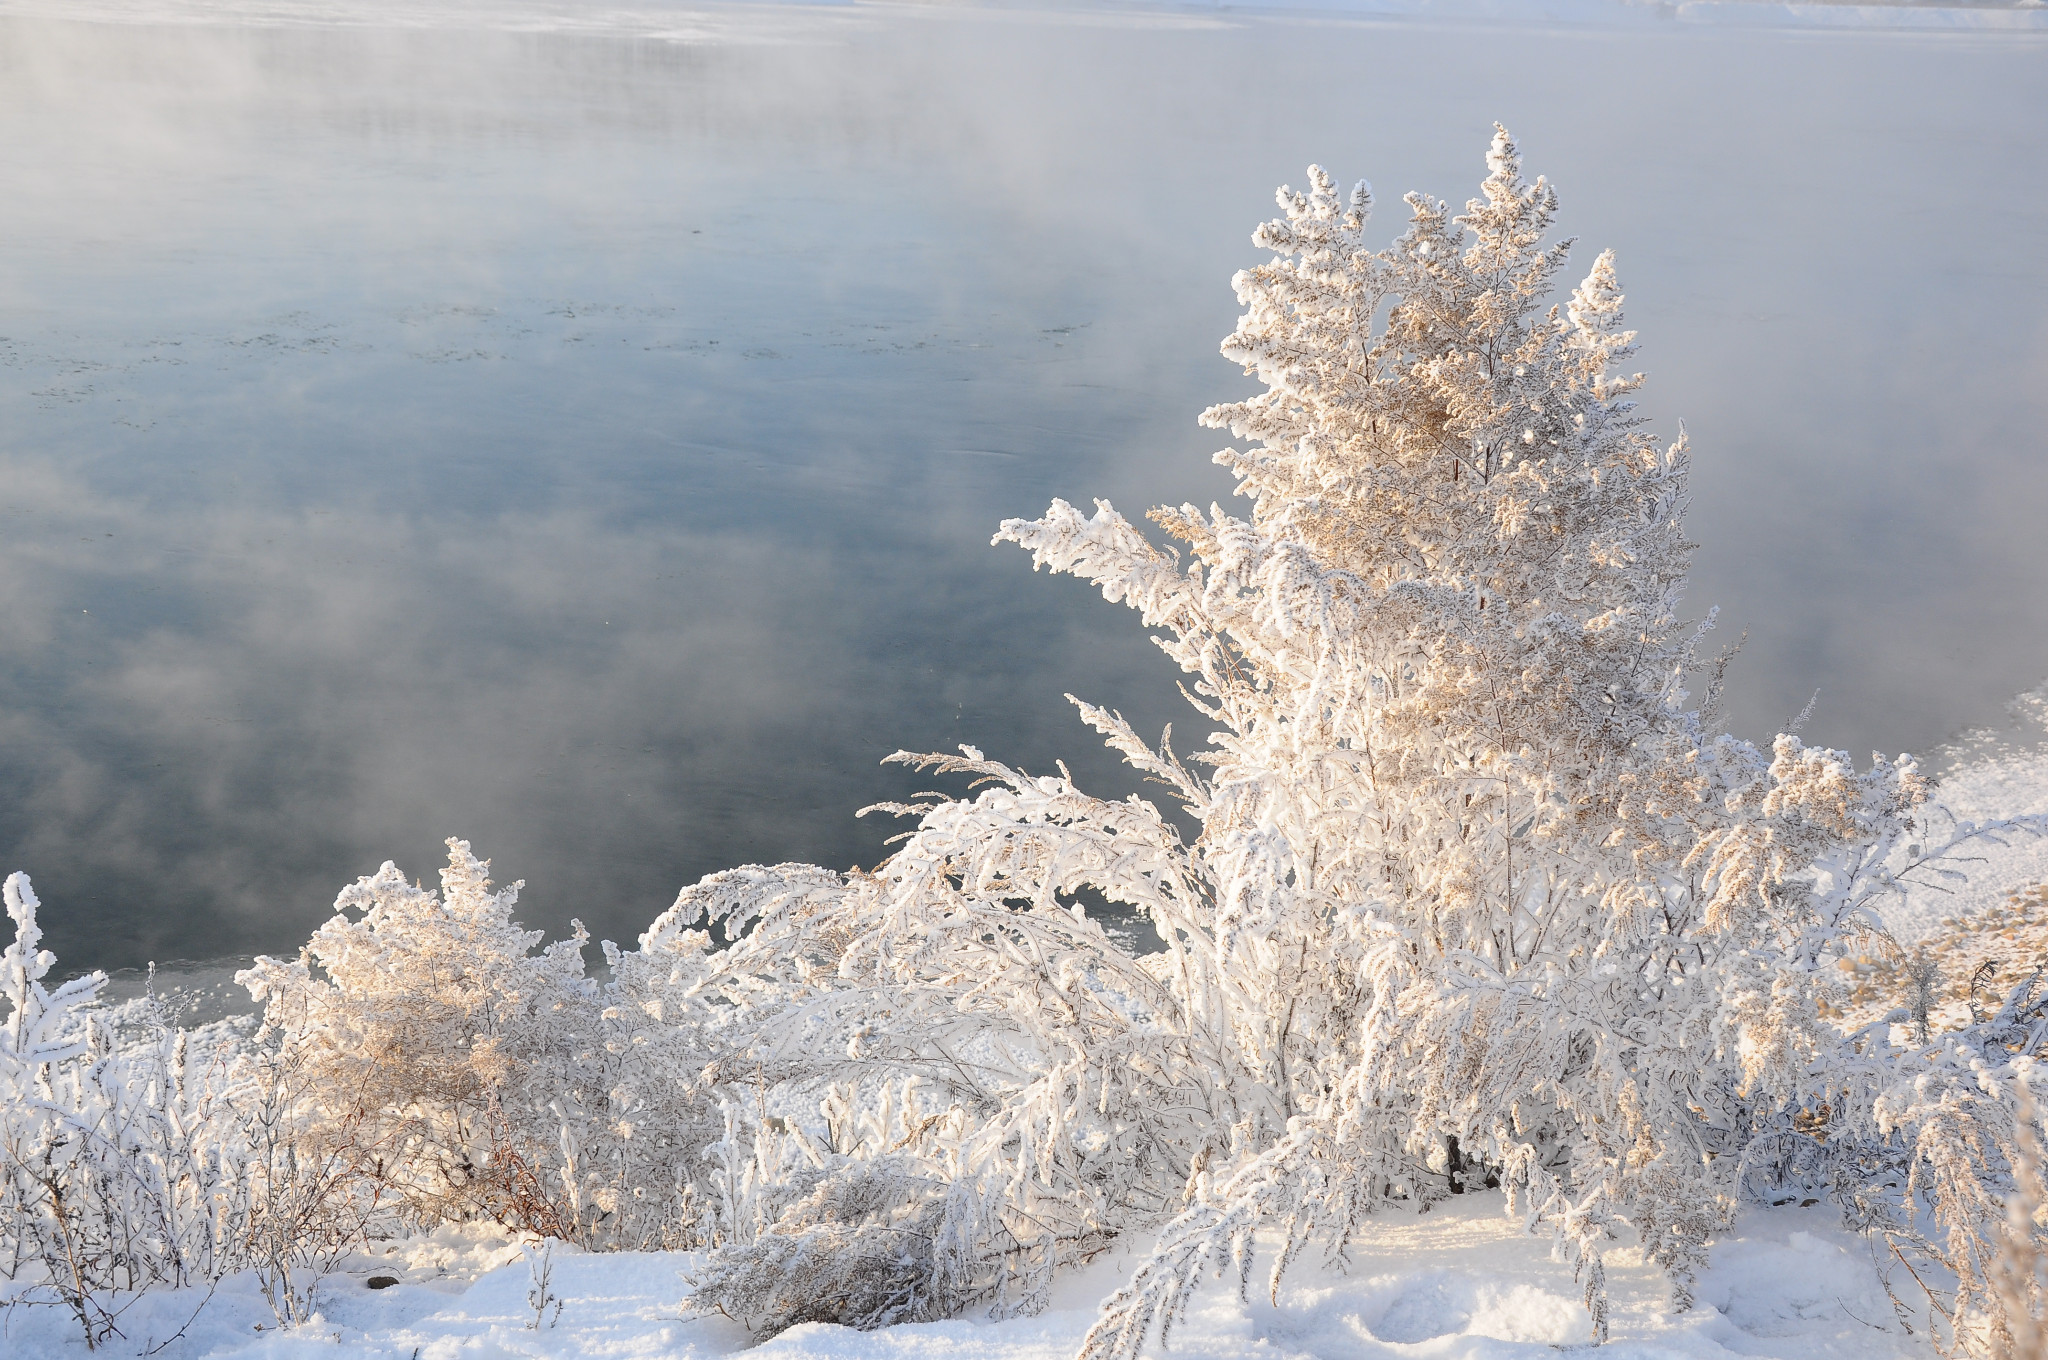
{"x":588,"y":444}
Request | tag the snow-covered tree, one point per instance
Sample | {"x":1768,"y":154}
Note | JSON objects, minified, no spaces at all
{"x":1476,"y":892}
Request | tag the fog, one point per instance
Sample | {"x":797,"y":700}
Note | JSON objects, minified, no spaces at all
{"x":588,"y":444}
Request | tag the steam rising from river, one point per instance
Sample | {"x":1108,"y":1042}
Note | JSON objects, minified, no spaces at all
{"x":589,"y":446}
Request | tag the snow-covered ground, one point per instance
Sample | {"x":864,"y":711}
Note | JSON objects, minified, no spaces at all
{"x":1985,"y":777}
{"x":1460,"y":1283}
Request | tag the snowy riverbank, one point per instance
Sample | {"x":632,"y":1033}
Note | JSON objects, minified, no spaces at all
{"x":1986,"y":776}
{"x":1460,"y":1283}
{"x":1492,"y":899}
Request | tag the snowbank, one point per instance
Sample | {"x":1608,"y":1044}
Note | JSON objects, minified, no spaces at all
{"x":1461,"y":1283}
{"x":1984,"y":777}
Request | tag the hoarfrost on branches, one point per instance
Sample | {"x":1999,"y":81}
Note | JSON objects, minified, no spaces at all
{"x":1476,"y":892}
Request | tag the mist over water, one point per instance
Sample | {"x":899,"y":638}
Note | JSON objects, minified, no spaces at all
{"x":588,"y":445}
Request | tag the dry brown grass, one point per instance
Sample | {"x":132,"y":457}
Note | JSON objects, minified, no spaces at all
{"x":1962,"y":972}
{"x":2020,"y":1270}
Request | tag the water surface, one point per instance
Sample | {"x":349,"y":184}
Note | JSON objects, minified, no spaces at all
{"x":588,"y":444}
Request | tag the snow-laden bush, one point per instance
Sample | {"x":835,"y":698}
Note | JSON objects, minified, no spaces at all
{"x":108,"y":1183}
{"x":472,"y":1075}
{"x":417,"y":1063}
{"x":1475,"y":892}
{"x":134,"y":1154}
{"x":1931,"y":1143}
{"x":426,"y":1029}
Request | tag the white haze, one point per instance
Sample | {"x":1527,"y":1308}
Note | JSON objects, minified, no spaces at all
{"x":385,"y":458}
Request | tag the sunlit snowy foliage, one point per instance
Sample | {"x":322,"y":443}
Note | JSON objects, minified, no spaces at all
{"x":1475,"y":897}
{"x":1475,"y":892}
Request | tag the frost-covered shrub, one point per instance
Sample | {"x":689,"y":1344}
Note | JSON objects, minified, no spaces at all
{"x":472,"y":1074}
{"x":436,"y":1041}
{"x":114,"y":1174}
{"x":881,"y":1241}
{"x":1931,"y":1144}
{"x":1474,"y":886}
{"x":418,"y":1062}
{"x":2019,"y":1273}
{"x":299,"y":1187}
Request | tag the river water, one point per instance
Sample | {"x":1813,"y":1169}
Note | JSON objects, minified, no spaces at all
{"x":587,"y":441}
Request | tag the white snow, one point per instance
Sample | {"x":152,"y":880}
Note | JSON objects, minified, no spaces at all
{"x":1461,"y":1283}
{"x":1990,"y":775}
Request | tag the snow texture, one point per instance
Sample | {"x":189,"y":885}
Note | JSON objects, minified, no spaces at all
{"x":1992,"y":774}
{"x":1461,"y":1283}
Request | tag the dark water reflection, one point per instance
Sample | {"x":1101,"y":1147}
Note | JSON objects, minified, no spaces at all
{"x":590,"y":447}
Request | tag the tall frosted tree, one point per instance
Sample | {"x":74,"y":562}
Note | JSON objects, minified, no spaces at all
{"x":1476,"y":892}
